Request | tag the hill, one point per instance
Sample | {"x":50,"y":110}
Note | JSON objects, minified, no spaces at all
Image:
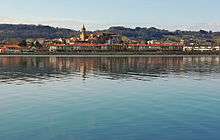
{"x":19,"y":32}
{"x":158,"y":34}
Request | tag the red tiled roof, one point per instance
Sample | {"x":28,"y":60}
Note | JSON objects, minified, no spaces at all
{"x":12,"y":46}
{"x":154,"y":45}
{"x":80,"y":45}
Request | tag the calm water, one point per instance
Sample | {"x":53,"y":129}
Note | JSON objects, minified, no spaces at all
{"x":146,"y":98}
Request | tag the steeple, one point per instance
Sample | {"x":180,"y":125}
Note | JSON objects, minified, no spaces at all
{"x":83,"y":28}
{"x":83,"y":33}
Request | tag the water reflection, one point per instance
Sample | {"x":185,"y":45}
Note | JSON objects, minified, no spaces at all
{"x":38,"y":69}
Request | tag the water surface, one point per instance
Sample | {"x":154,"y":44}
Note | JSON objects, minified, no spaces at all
{"x":96,"y":98}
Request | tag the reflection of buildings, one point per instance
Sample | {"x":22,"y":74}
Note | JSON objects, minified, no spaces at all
{"x":114,"y":67}
{"x":203,"y":59}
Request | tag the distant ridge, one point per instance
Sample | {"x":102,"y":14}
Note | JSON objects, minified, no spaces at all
{"x":22,"y":31}
{"x":158,"y":34}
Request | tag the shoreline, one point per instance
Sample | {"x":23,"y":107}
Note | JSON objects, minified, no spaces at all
{"x":112,"y":55}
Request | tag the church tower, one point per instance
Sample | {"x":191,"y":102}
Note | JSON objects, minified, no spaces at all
{"x":83,"y":33}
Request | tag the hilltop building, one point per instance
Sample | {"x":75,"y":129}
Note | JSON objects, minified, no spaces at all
{"x":83,"y":35}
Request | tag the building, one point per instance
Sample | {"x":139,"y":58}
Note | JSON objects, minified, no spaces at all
{"x":83,"y":35}
{"x":11,"y":49}
{"x":78,"y":47}
{"x":155,"y":47}
{"x":2,"y":50}
{"x":216,"y":48}
{"x":201,"y":48}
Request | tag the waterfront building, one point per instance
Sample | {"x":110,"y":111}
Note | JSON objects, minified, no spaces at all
{"x":78,"y":47}
{"x":201,"y":48}
{"x":217,"y":48}
{"x":155,"y":47}
{"x":2,"y":50}
{"x":11,"y":49}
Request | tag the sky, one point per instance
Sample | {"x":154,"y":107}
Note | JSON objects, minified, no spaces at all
{"x":100,"y":14}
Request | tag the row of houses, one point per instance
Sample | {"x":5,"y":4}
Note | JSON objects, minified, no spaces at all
{"x":201,"y":48}
{"x":114,"y":47}
{"x":129,"y":47}
{"x":16,"y":49}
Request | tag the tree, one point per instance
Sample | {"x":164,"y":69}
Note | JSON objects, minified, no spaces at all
{"x":23,"y":44}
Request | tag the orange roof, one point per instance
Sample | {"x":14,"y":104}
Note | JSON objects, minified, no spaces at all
{"x":12,"y":46}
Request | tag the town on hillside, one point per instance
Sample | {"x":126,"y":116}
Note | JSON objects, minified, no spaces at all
{"x":105,"y":42}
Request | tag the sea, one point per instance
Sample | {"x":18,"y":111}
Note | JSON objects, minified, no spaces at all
{"x":110,"y":98}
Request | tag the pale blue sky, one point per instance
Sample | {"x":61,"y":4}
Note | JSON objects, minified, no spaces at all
{"x":101,"y":13}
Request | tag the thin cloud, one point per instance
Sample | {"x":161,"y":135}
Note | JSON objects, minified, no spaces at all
{"x":76,"y":25}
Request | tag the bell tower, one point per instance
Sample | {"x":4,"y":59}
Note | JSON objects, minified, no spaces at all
{"x":83,"y":33}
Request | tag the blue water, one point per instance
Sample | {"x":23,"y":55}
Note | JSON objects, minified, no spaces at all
{"x":143,"y":98}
